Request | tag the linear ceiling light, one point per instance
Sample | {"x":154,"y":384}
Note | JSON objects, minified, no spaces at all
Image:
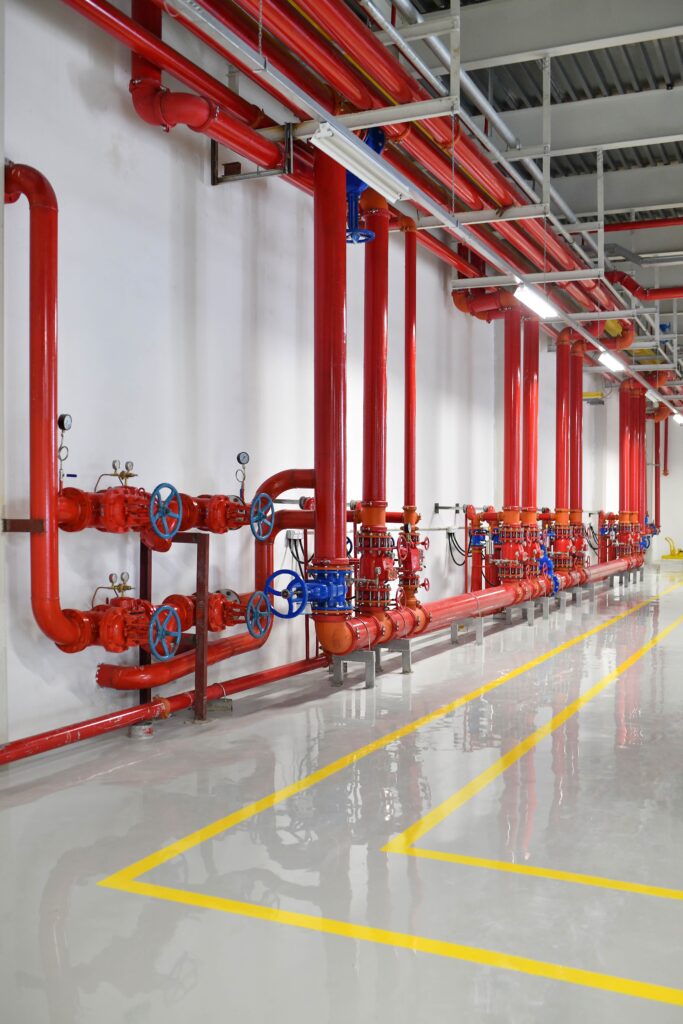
{"x":355,"y":156}
{"x":611,"y":362}
{"x":678,"y":417}
{"x":536,"y":302}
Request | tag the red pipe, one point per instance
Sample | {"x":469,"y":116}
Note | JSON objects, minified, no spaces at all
{"x":375,"y":352}
{"x":563,"y":356}
{"x":641,"y":225}
{"x":161,"y":707}
{"x":64,"y":628}
{"x":578,"y":351}
{"x":410,"y":384}
{"x":665,"y":467}
{"x":636,"y":459}
{"x":658,"y":475}
{"x":625,"y":443}
{"x":329,"y":371}
{"x":530,"y":418}
{"x":512,"y":380}
{"x":641,"y":293}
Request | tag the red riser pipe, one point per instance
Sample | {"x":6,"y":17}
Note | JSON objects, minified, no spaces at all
{"x":563,"y":356}
{"x":530,"y":417}
{"x":512,"y":381}
{"x":375,"y":350}
{"x":625,"y":442}
{"x":576,"y":428}
{"x":410,"y":384}
{"x":636,"y":460}
{"x":658,"y":475}
{"x":329,"y":284}
{"x":158,"y":708}
{"x":665,"y":466}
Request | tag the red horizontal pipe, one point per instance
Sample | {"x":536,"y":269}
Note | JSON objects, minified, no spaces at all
{"x":642,"y":225}
{"x":161,"y":707}
{"x":640,"y":292}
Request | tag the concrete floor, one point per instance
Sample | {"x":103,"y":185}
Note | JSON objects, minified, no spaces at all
{"x":535,"y":823}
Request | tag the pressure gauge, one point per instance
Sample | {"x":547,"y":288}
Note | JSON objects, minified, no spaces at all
{"x":243,"y":458}
{"x":64,"y":421}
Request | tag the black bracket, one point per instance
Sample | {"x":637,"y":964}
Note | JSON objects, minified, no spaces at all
{"x":23,"y":526}
{"x":233,"y":171}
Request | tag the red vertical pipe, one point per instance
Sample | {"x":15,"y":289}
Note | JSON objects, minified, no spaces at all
{"x":530,"y":418}
{"x":563,"y":357}
{"x":409,"y":490}
{"x":329,"y":368}
{"x":512,"y":382}
{"x":636,"y":460}
{"x":624,"y":450}
{"x":23,"y":180}
{"x":658,"y":475}
{"x":643,"y":459}
{"x":375,"y":357}
{"x":665,"y":466}
{"x":576,"y":428}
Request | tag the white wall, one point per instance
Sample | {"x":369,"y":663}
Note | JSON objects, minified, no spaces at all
{"x":185,"y":336}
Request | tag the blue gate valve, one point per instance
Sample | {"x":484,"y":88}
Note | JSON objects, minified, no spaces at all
{"x":262,"y":516}
{"x":165,"y":511}
{"x":164,"y":633}
{"x":355,"y":187}
{"x":325,"y":590}
{"x":292,"y":588}
{"x":545,"y":564}
{"x":258,"y":615}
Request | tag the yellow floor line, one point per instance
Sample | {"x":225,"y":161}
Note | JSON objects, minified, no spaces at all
{"x":596,"y":881}
{"x":415,"y":943}
{"x":412,"y":835}
{"x":154,"y":860}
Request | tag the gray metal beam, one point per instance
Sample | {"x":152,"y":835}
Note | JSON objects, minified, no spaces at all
{"x":510,"y":31}
{"x":643,"y":188}
{"x":609,"y":122}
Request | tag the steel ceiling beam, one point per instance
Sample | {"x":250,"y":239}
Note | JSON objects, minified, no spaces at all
{"x":645,"y":118}
{"x":512,"y":31}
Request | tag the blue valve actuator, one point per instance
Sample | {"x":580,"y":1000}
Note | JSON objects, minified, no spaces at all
{"x":477,"y":539}
{"x":545,"y":564}
{"x":355,"y":187}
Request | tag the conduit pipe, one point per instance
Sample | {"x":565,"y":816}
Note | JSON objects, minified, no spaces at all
{"x":160,"y":707}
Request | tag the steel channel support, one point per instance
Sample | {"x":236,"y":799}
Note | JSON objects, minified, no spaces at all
{"x":546,"y":128}
{"x":340,"y":662}
{"x":454,"y":84}
{"x":600,"y":178}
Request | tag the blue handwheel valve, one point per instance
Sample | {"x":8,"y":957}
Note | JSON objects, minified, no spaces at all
{"x":290,"y":587}
{"x":164,"y":633}
{"x":165,"y":511}
{"x":262,"y":516}
{"x":258,"y":615}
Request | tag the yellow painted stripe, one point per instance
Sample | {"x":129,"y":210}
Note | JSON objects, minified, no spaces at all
{"x":414,"y":943}
{"x":596,"y":881}
{"x":412,"y":835}
{"x":188,"y":842}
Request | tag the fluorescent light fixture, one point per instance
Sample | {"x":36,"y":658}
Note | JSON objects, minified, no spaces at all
{"x":652,"y":395}
{"x":355,"y":156}
{"x":678,"y":417}
{"x":536,"y":302}
{"x":611,"y":362}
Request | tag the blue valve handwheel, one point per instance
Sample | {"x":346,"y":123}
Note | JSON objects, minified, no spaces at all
{"x":258,"y":615}
{"x":349,"y":547}
{"x":288,"y":585}
{"x":164,"y":633}
{"x":165,"y":511}
{"x":262,"y":516}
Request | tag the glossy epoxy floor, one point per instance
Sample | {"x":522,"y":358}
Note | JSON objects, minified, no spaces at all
{"x":531,"y":802}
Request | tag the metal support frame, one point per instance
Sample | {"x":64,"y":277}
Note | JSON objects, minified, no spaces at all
{"x":545,"y":607}
{"x":529,"y":612}
{"x":577,"y":595}
{"x":506,"y":280}
{"x":546,"y":128}
{"x":457,"y":637}
{"x":533,"y":211}
{"x":403,"y":647}
{"x":339,"y":662}
{"x":233,"y":171}
{"x":200,"y":639}
{"x":564,"y":600}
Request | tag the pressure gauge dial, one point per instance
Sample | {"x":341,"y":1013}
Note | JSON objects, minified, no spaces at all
{"x":243,"y":458}
{"x":64,"y":421}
